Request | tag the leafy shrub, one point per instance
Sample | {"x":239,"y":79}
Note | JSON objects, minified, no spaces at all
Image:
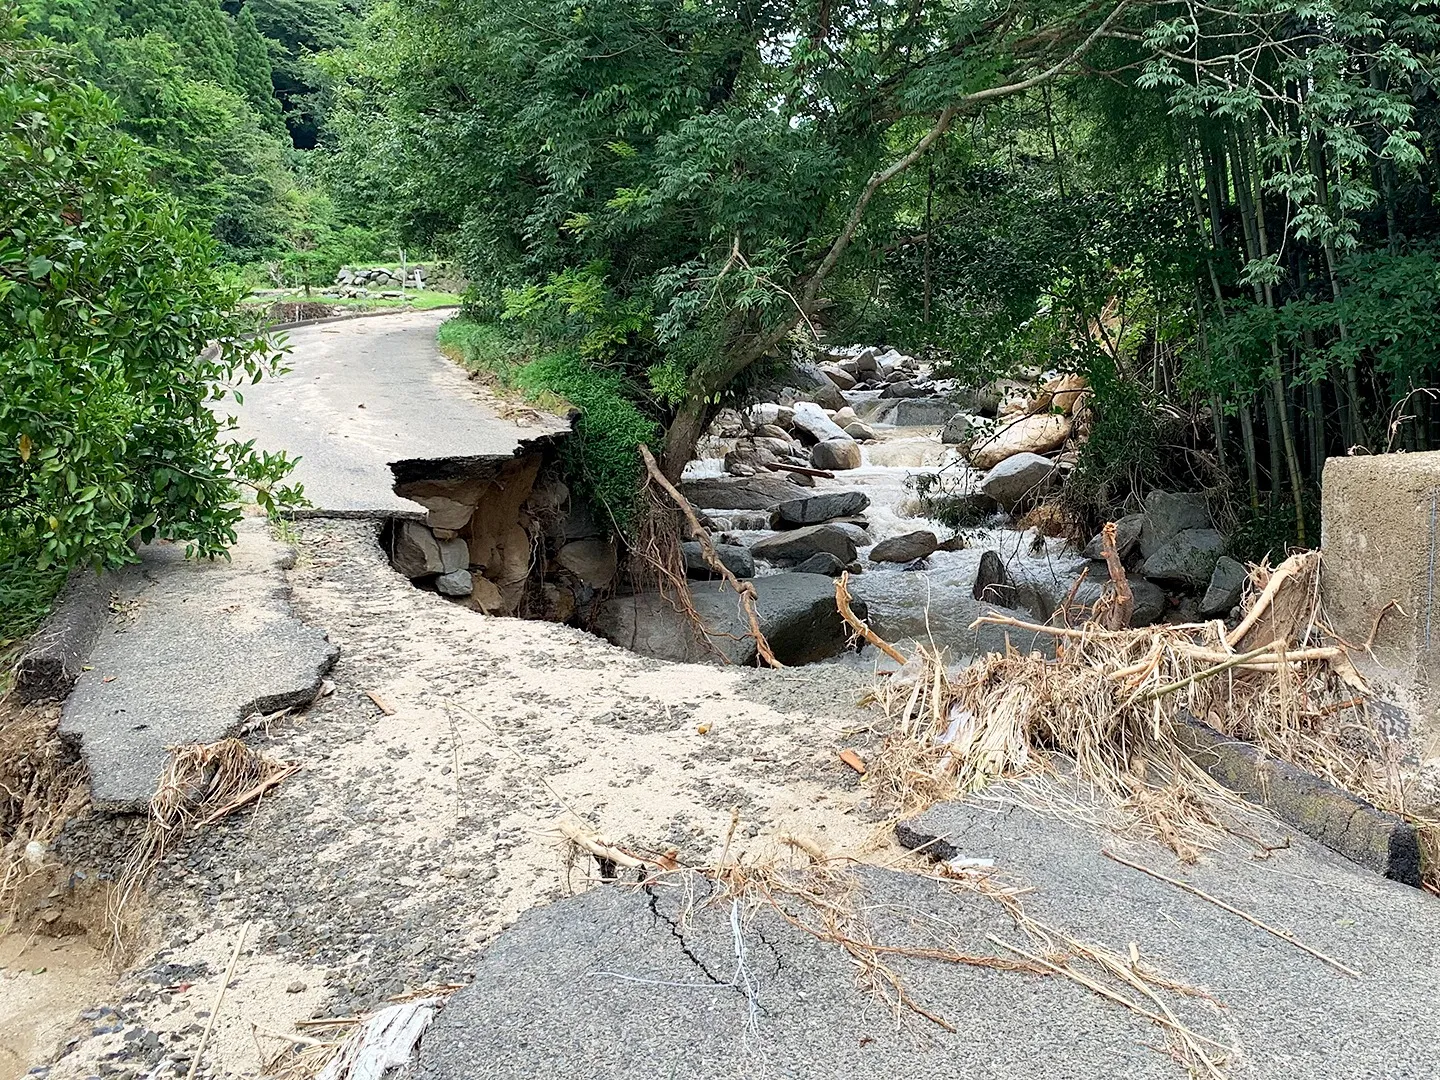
{"x":118,"y":340}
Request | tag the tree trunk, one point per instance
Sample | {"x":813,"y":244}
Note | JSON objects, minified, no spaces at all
{"x":682,"y":436}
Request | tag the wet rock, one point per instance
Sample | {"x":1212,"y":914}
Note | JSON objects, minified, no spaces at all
{"x":906,"y":548}
{"x":961,"y":429}
{"x":1227,"y":583}
{"x":1028,"y":434}
{"x":733,"y":557}
{"x":811,"y":419}
{"x":822,"y":562}
{"x":592,"y":561}
{"x":957,"y":542}
{"x":762,"y":492}
{"x":855,"y":530}
{"x":797,"y":615}
{"x":860,"y":431}
{"x":920,"y":412}
{"x":1127,"y":535}
{"x":457,"y":583}
{"x":820,"y":508}
{"x":1042,"y":588}
{"x":1018,"y":478}
{"x":1169,"y":513}
{"x":414,"y":551}
{"x":845,"y":417}
{"x":1188,"y":558}
{"x":836,"y":454}
{"x":797,"y":545}
{"x":992,"y":581}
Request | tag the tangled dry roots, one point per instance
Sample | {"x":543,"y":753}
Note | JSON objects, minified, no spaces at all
{"x":1111,"y":702}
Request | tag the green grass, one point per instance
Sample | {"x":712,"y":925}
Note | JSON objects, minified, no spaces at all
{"x":424,"y":300}
{"x":600,"y":458}
{"x":26,"y":595}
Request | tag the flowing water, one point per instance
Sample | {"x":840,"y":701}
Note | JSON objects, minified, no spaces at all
{"x":932,"y":604}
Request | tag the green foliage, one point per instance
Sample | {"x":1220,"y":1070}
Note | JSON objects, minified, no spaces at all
{"x":118,"y":342}
{"x":26,"y":594}
{"x":600,"y":456}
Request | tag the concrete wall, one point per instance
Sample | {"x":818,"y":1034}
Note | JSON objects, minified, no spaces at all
{"x":1380,"y":516}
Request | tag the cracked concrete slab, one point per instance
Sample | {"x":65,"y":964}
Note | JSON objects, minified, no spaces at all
{"x":190,"y":650}
{"x":623,"y":981}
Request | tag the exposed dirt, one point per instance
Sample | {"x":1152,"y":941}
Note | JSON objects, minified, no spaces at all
{"x":408,"y":840}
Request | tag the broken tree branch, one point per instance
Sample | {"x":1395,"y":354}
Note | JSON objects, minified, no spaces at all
{"x":1118,"y":617}
{"x":842,"y":601}
{"x":1283,"y":935}
{"x":745,"y":590}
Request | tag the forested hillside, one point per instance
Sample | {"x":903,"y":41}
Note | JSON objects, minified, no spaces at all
{"x":1221,"y":213}
{"x":228,"y":101}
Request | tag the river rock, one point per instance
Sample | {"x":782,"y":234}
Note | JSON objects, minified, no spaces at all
{"x":865,"y":362}
{"x":810,"y":418}
{"x":921,"y":412}
{"x":839,"y":376}
{"x":592,"y":561}
{"x":1041,"y":588}
{"x":772,"y":431}
{"x":827,"y":396}
{"x":1227,"y":584}
{"x":1188,"y":558}
{"x":455,"y":583}
{"x":844,"y":417}
{"x":1028,"y":434}
{"x":817,"y":509}
{"x":906,"y":548}
{"x":1127,"y":535}
{"x":797,"y":545}
{"x":992,"y":581}
{"x":762,"y":492}
{"x":733,"y":557}
{"x":836,"y":454}
{"x":415,"y":552}
{"x":855,"y":530}
{"x":961,"y":429}
{"x":822,"y":562}
{"x":797,"y":615}
{"x":1018,"y":478}
{"x":860,"y":431}
{"x":1168,"y":513}
{"x":761,"y":414}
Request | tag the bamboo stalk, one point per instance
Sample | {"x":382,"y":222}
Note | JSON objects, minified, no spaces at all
{"x":1283,"y":935}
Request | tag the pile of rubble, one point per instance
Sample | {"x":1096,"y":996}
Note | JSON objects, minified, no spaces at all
{"x":378,"y":281}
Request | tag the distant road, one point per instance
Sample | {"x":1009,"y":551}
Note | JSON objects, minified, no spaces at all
{"x":364,"y":393}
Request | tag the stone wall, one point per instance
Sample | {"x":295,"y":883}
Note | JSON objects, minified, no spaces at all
{"x":1379,"y":517}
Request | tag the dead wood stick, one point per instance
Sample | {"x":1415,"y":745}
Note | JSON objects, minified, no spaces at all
{"x":780,"y":466}
{"x":1118,"y":617}
{"x":1291,"y":567}
{"x":745,"y":591}
{"x":253,"y":794}
{"x":1206,"y":673}
{"x":842,"y":602}
{"x":597,"y":846}
{"x":1283,"y":935}
{"x":219,"y":1000}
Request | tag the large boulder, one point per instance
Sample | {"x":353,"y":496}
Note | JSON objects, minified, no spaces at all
{"x":1041,"y":588}
{"x":860,"y":431}
{"x":592,"y":561}
{"x":836,"y":454}
{"x":797,"y":615}
{"x":992,"y":581}
{"x":733,"y":557}
{"x":820,"y":508}
{"x":906,"y":548}
{"x":1127,"y":535}
{"x":797,"y":545}
{"x":921,"y":412}
{"x":822,"y":562}
{"x":1018,"y":478}
{"x":1227,"y":584}
{"x":1168,"y":513}
{"x":827,"y":396}
{"x":811,"y":419}
{"x":1188,"y":558}
{"x":1026,"y":434}
{"x":415,"y":552}
{"x":762,"y":492}
{"x":842,"y":379}
{"x":905,"y":388}
{"x":961,"y":429}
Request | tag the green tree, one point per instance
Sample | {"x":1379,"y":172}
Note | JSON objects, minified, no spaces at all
{"x":118,"y":341}
{"x":253,"y":73}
